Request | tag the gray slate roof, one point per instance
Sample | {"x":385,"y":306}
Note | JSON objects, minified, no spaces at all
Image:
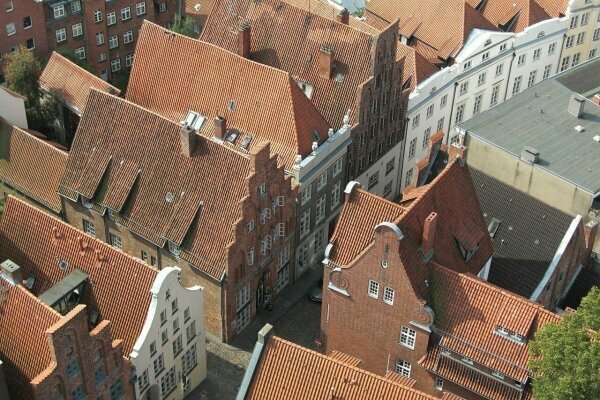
{"x":526,"y":239}
{"x":538,"y":118}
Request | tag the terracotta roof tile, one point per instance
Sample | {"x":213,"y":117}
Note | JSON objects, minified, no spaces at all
{"x":103,"y":147}
{"x":345,"y":358}
{"x":24,"y":348}
{"x":524,"y":13}
{"x":255,"y":99}
{"x":291,"y":372}
{"x":416,"y":67}
{"x":30,"y":165}
{"x":289,"y":38}
{"x":120,"y":288}
{"x":70,"y":82}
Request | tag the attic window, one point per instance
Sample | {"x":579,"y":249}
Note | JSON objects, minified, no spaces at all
{"x":174,"y":249}
{"x":246,"y":141}
{"x":194,"y":120}
{"x":493,"y":226}
{"x":86,"y":202}
{"x":307,"y":88}
{"x":510,"y":335}
{"x":467,"y":253}
{"x":231,"y":135}
{"x":231,"y":105}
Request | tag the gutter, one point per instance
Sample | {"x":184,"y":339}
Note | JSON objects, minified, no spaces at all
{"x":261,"y":342}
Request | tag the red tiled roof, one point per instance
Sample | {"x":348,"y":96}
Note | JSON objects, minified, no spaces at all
{"x":24,"y":348}
{"x":345,"y":358}
{"x":200,"y":15}
{"x":289,"y":38}
{"x":291,"y":372}
{"x":255,"y":99}
{"x":105,"y":164}
{"x":30,"y":165}
{"x":416,"y":67}
{"x":120,"y":288}
{"x":70,"y":82}
{"x":524,"y":12}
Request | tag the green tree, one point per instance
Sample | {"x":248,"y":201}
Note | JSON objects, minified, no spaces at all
{"x":22,"y":71}
{"x":184,"y":26}
{"x":69,"y":54}
{"x":565,"y":357}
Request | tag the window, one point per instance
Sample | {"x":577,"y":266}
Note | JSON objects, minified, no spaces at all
{"x":250,"y":226}
{"x":140,"y":8}
{"x":80,"y":53}
{"x":99,"y":38}
{"x":460,"y":113}
{"x":115,"y":241}
{"x":75,"y":7}
{"x":531,"y":79}
{"x":430,"y":110}
{"x":337,"y":167}
{"x":167,"y":383}
{"x":502,"y":48}
{"x":305,"y":223}
{"x":58,"y":11}
{"x":26,"y":22}
{"x":163,"y":317}
{"x":403,"y":368}
{"x":265,"y":244}
{"x":464,"y":87}
{"x":152,"y":348}
{"x":477,"y":104}
{"x":143,"y":381}
{"x":159,"y":365}
{"x":569,"y":42}
{"x":585,"y":18}
{"x":494,"y":97}
{"x":499,"y":69}
{"x":408,"y":337}
{"x":596,"y":36}
{"x":536,"y":54}
{"x":115,"y":65}
{"x":388,"y":296}
{"x":521,"y":60}
{"x":320,"y":210}
{"x":551,"y":48}
{"x":250,"y":256}
{"x":111,"y":18}
{"x":116,"y":390}
{"x":373,"y":289}
{"x":408,"y":177}
{"x":174,"y":249}
{"x":580,"y":37}
{"x":129,"y":60}
{"x":335,"y":195}
{"x":387,"y":190}
{"x":186,"y":314}
{"x":97,"y":16}
{"x":592,"y":53}
{"x":190,"y":330}
{"x":485,"y":56}
{"x":153,"y":261}
{"x":389,"y":166}
{"x":443,"y":101}
{"x":415,"y":121}
{"x":576,"y":59}
{"x":9,"y":6}
{"x":73,"y":368}
{"x":177,"y":346}
{"x":128,"y":37}
{"x":412,"y":148}
{"x":305,"y":195}
{"x":322,"y":181}
{"x":373,"y":180}
{"x":440,"y":124}
{"x":162,"y":7}
{"x":517,"y":85}
{"x":565,"y":63}
{"x":439,"y":384}
{"x":78,"y":393}
{"x":189,"y":360}
{"x":467,"y":65}
{"x":426,"y":137}
{"x":61,"y":35}
{"x":467,"y":360}
{"x":125,"y":13}
{"x":574,"y":22}
{"x":547,"y":70}
{"x":113,"y":42}
{"x":164,"y":336}
{"x":481,"y":79}
{"x":77,"y":29}
{"x":89,"y":228}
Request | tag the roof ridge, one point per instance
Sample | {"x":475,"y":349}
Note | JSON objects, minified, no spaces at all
{"x":81,"y":69}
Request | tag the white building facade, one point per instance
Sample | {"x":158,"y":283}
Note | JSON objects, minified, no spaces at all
{"x":582,"y":41}
{"x":169,"y":355}
{"x":491,"y":67}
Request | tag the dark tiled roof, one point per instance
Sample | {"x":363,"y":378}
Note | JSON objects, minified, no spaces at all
{"x":527,"y":238}
{"x":30,"y":165}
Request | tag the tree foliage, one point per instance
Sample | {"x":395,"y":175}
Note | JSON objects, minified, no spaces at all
{"x":184,"y":26}
{"x":70,"y":55}
{"x":565,"y":357}
{"x":22,"y":71}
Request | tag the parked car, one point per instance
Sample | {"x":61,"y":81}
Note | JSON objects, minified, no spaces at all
{"x":315,"y":293}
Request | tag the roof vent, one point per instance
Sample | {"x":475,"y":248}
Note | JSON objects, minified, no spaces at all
{"x":63,"y":265}
{"x":597,"y":138}
{"x":576,"y":104}
{"x":530,"y":155}
{"x":170,"y":197}
{"x":580,"y":128}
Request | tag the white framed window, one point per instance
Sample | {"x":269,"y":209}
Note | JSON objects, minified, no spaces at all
{"x":305,"y":223}
{"x":140,"y":8}
{"x":189,"y":360}
{"x":565,"y":63}
{"x":460,"y":113}
{"x":162,"y":7}
{"x":115,"y":65}
{"x":168,"y":382}
{"x":129,"y":60}
{"x":494,"y":96}
{"x":426,"y":138}
{"x":318,"y":240}
{"x":89,"y":228}
{"x":128,"y":37}
{"x":415,"y":120}
{"x":443,"y":101}
{"x":373,"y":180}
{"x":408,"y":337}
{"x":11,"y":30}
{"x":592,"y":53}
{"x":102,"y":56}
{"x":467,"y":65}
{"x":439,"y":384}
{"x":585,"y":18}
{"x":521,"y":60}
{"x":115,"y":241}
{"x":481,"y":79}
{"x":337,"y":167}
{"x":412,"y":148}
{"x":531,"y":80}
{"x":477,"y":104}
{"x":373,"y":289}
{"x":9,"y":7}
{"x":61,"y":35}
{"x":596,"y":35}
{"x":517,"y":85}
{"x":440,"y":124}
{"x":569,"y":42}
{"x":111,"y":18}
{"x":580,"y":37}
{"x":390,"y":165}
{"x":125,"y":13}
{"x":408,"y":177}
{"x":320,"y":209}
{"x":143,"y":381}
{"x":403,"y":368}
{"x":335,"y":195}
{"x":174,"y":249}
{"x":99,"y":38}
{"x":77,"y":29}
{"x":551,"y":48}
{"x":262,"y":189}
{"x":388,"y":295}
{"x":576,"y":58}
{"x":242,"y":297}
{"x":75,"y":7}
{"x":430,"y":110}
{"x":250,"y":256}
{"x":250,"y":225}
{"x":113,"y":42}
{"x":159,"y":365}
{"x":547,"y":71}
{"x":499,"y":69}
{"x":266,"y":244}
{"x":144,"y":256}
{"x":59,"y":11}
{"x":80,"y":53}
{"x":27,"y":22}
{"x":574,"y":22}
{"x":322,"y":181}
{"x":97,"y":16}
{"x":536,"y":54}
{"x":485,"y":56}
{"x":305,"y":194}
{"x":464,"y":87}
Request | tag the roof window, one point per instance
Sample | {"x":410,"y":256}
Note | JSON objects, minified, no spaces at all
{"x":194,"y":120}
{"x":510,"y":335}
{"x":493,"y":226}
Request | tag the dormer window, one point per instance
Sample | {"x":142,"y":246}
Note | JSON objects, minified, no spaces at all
{"x":510,"y":335}
{"x":467,"y":360}
{"x":86,"y":202}
{"x":111,"y":214}
{"x":467,"y":253}
{"x":174,"y":249}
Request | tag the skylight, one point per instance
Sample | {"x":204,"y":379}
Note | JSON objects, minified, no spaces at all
{"x":195,"y":120}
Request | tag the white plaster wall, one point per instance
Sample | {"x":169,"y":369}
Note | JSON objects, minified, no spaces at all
{"x":142,"y":359}
{"x":394,"y":155}
{"x":12,"y":108}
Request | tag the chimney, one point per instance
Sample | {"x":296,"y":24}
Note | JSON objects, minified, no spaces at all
{"x":530,"y":155}
{"x":576,"y":103}
{"x":343,"y":17}
{"x":596,"y":99}
{"x":457,"y":149}
{"x":220,"y":127}
{"x":188,"y":139}
{"x":589,"y":232}
{"x":244,"y":40}
{"x":325,"y":62}
{"x":11,"y":272}
{"x":429,"y":234}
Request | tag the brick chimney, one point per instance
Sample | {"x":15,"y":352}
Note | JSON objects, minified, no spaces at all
{"x":188,"y":139}
{"x":244,"y":40}
{"x":220,"y":127}
{"x":325,"y":62}
{"x":11,"y":272}
{"x":429,"y":234}
{"x":343,"y":17}
{"x":590,"y":230}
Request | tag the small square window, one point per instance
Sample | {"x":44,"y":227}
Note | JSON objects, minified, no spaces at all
{"x":408,"y":337}
{"x":373,"y":289}
{"x":27,"y":22}
{"x":388,"y":296}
